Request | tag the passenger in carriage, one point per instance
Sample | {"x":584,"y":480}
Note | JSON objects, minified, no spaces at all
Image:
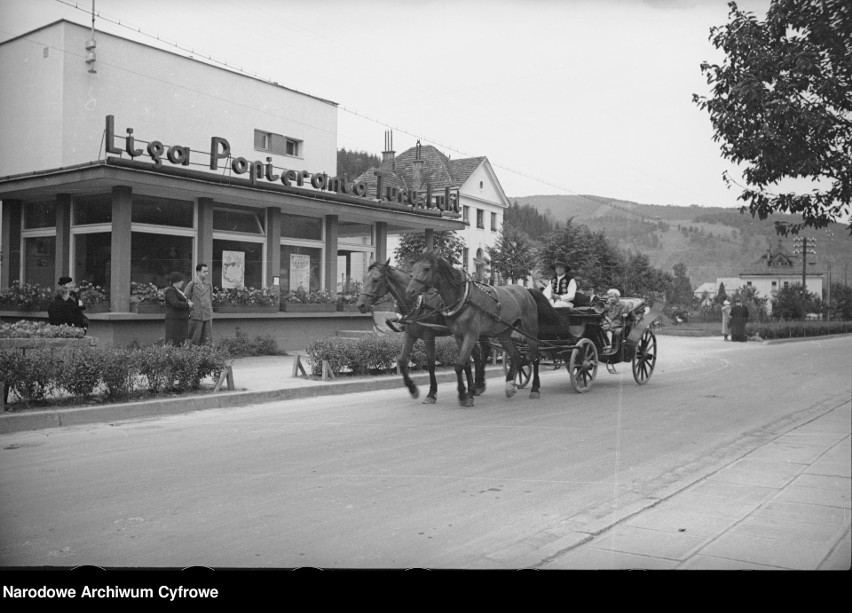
{"x":562,"y":287}
{"x":613,"y":321}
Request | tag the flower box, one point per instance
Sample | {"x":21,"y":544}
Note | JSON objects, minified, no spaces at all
{"x":147,"y":307}
{"x":347,"y":308}
{"x":302,"y":307}
{"x":98,"y":307}
{"x":244,"y":308}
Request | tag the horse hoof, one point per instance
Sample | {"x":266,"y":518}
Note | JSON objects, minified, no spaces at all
{"x":467,"y":402}
{"x":511,"y":391}
{"x":415,"y":393}
{"x":429,"y":400}
{"x":535,"y":395}
{"x":479,"y":391}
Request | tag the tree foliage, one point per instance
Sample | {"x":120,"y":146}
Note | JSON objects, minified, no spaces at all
{"x":530,"y":221}
{"x":353,"y":164}
{"x":512,"y":255}
{"x":590,"y":256}
{"x":446,"y":244}
{"x":789,"y":303}
{"x":781,"y":106}
{"x":681,"y":292}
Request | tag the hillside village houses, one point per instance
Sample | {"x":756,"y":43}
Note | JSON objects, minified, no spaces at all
{"x":481,"y":198}
{"x":777,"y":268}
{"x":122,"y":162}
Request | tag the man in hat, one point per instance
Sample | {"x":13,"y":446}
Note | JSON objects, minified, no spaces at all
{"x":562,"y":287}
{"x":66,"y":307}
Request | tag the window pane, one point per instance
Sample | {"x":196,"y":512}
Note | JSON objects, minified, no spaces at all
{"x":162,"y":211}
{"x":253,"y":257}
{"x":154,"y":256}
{"x":355,"y":233}
{"x":297,"y":226}
{"x":39,"y":214}
{"x":40,"y":261}
{"x":351,"y":268}
{"x":306,"y":264}
{"x":238,"y":219}
{"x":92,"y":258}
{"x":93,"y":209}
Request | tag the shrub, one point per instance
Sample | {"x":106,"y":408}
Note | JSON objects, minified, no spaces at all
{"x":154,"y":366}
{"x":36,"y":329}
{"x":119,"y":373}
{"x":242,"y":346}
{"x":79,"y":371}
{"x":211,"y":361}
{"x":332,"y":349}
{"x":38,"y":373}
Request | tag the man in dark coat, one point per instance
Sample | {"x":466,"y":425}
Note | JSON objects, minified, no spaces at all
{"x":739,"y":316}
{"x":67,"y":308}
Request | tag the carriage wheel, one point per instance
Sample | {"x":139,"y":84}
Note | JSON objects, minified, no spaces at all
{"x":522,"y":376}
{"x":583,"y":365}
{"x":645,"y":357}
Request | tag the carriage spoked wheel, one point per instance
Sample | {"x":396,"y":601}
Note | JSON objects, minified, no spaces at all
{"x":583,"y":365}
{"x":645,"y":357}
{"x":522,"y":376}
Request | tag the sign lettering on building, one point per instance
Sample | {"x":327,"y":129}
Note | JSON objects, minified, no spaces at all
{"x":220,"y":152}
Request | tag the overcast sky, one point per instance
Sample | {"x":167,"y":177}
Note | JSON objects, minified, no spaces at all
{"x":562,"y":96}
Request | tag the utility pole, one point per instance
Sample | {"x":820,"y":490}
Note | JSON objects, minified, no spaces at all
{"x":804,"y":247}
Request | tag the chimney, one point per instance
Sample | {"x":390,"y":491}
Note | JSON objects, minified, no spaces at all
{"x":417,"y":170}
{"x":388,"y":154}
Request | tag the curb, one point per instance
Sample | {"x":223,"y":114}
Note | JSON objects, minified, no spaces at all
{"x":130,"y":411}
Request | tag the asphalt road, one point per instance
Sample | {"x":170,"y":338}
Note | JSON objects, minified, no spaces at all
{"x":378,"y":480}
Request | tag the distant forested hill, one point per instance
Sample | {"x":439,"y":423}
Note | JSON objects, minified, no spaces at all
{"x":711,"y":241}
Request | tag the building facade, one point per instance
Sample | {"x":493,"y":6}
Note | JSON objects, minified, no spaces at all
{"x":470,"y":183}
{"x":122,"y":162}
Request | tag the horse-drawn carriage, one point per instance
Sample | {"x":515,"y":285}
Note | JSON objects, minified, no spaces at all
{"x":524,"y":323}
{"x":578,"y":340}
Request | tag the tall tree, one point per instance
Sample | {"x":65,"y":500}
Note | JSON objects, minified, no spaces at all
{"x":781,"y":105}
{"x":447,"y":244}
{"x":681,"y":288}
{"x":512,"y":254}
{"x":589,"y":254}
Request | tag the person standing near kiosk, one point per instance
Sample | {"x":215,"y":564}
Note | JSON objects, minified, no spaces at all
{"x":200,"y":293}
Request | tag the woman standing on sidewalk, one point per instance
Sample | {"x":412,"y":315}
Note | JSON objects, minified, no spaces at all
{"x":177,"y":311}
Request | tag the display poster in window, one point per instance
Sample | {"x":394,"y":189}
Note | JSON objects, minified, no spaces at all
{"x":233,"y":269}
{"x":300,"y":272}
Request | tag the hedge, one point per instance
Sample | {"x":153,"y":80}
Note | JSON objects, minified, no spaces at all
{"x":797,"y":329}
{"x":105,"y":375}
{"x":374,"y":354}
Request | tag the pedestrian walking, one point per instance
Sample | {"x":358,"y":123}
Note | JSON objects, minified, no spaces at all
{"x":726,"y":319}
{"x":177,"y":310}
{"x":739,"y":316}
{"x":200,"y":293}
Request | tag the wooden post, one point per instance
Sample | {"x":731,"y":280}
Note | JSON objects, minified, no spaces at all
{"x":327,"y":373}
{"x":227,"y":375}
{"x":298,"y":367}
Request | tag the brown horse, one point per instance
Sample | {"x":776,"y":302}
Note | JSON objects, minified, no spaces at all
{"x":422,"y":321}
{"x":477,"y":311}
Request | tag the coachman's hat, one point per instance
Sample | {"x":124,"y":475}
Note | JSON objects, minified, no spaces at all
{"x":64,"y":280}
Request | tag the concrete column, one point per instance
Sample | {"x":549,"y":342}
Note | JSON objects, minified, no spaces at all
{"x":10,"y":242}
{"x":381,"y":244}
{"x":204,"y":238}
{"x":429,"y":236}
{"x":273,"y":244}
{"x":63,"y":236}
{"x":331,"y":222}
{"x":122,"y":203}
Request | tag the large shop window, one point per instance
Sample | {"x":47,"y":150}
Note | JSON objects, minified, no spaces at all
{"x":40,"y":260}
{"x":297,"y":226}
{"x":154,"y":256}
{"x":92,"y":258}
{"x":237,"y":264}
{"x":162,"y":212}
{"x":301,"y":267}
